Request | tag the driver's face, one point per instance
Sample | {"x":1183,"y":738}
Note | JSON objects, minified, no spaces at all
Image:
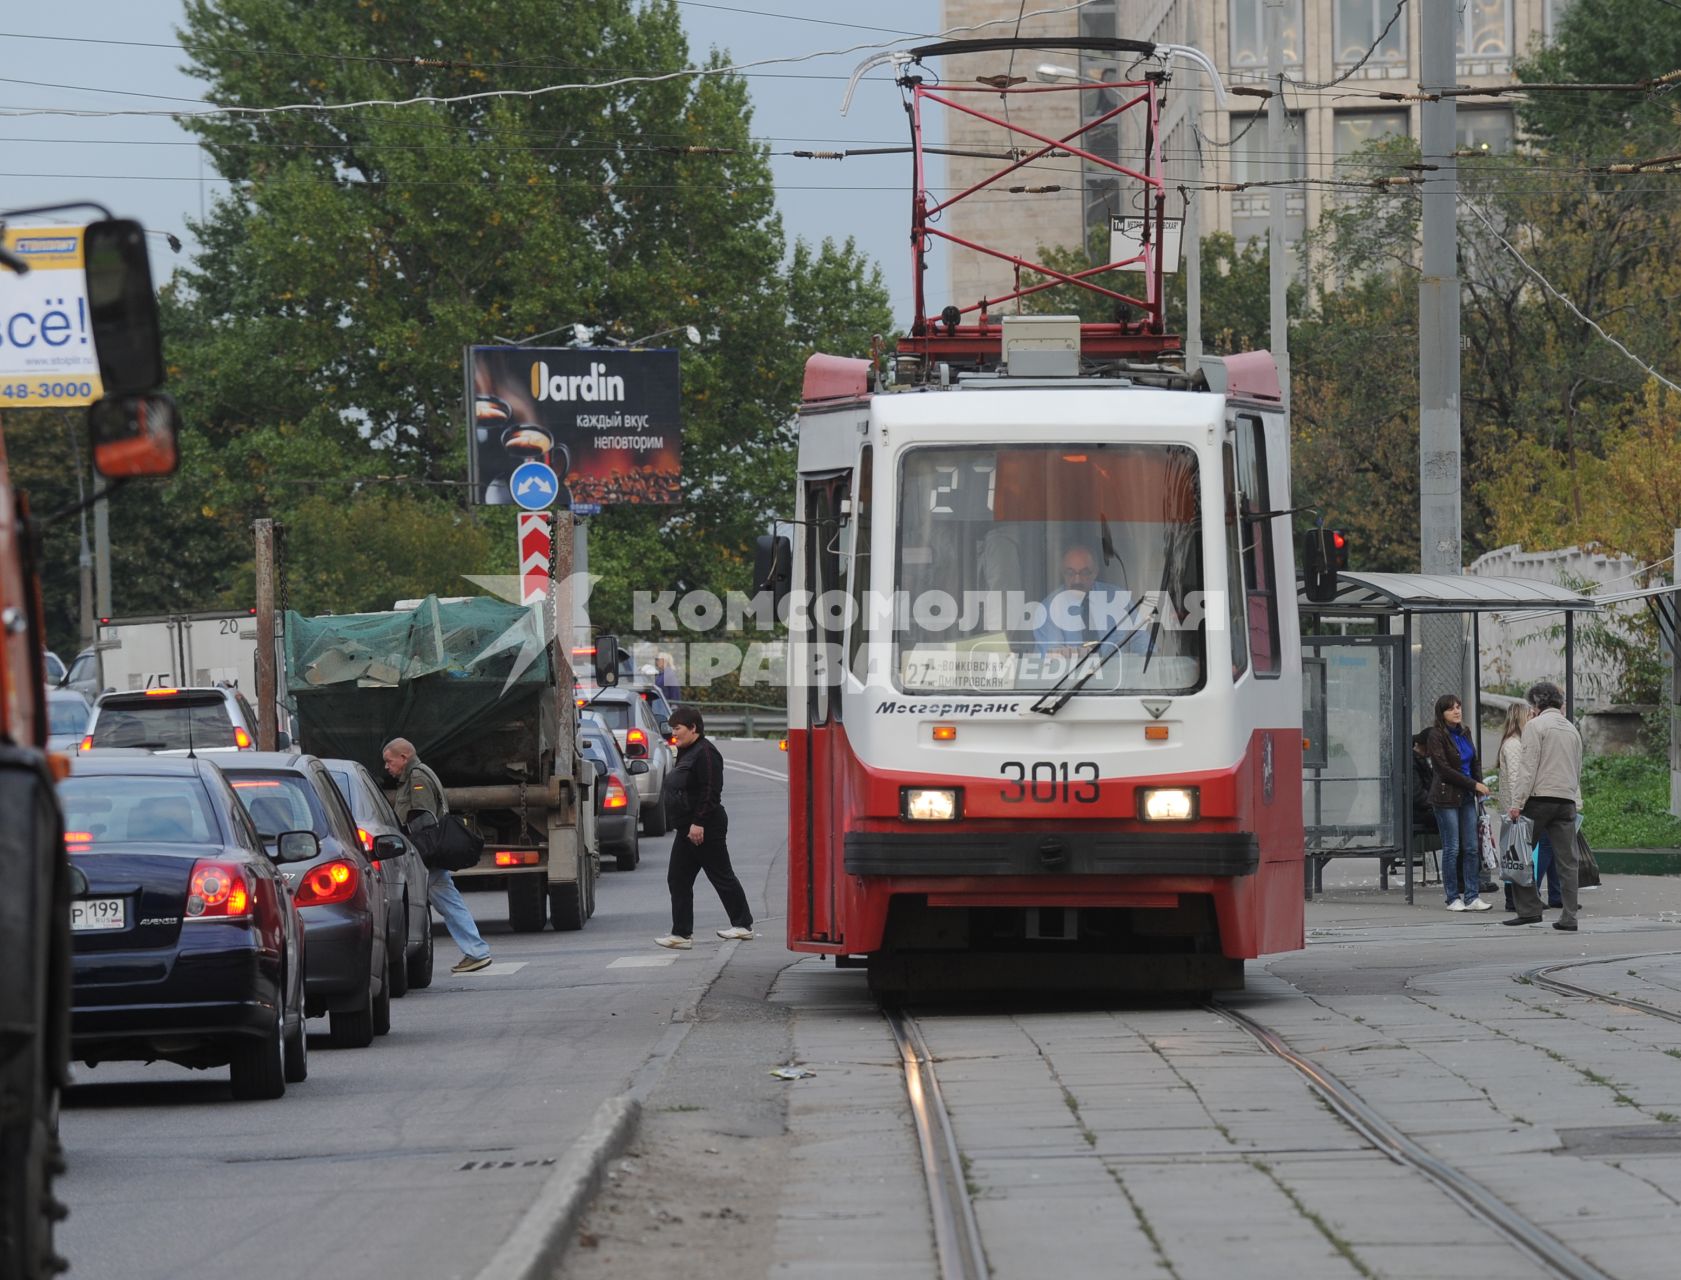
{"x":1078,"y":570}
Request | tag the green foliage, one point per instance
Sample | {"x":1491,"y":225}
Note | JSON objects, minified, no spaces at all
{"x":316,"y":343}
{"x":1625,"y":803}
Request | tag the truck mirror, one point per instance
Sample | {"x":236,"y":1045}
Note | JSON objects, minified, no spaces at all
{"x":122,"y":309}
{"x":607,"y":660}
{"x":1324,"y":552}
{"x":773,"y":568}
{"x":133,"y":436}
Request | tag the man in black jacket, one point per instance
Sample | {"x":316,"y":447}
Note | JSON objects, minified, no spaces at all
{"x":692,"y":796}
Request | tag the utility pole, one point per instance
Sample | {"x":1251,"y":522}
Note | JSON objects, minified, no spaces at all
{"x":266,"y":676}
{"x":1193,"y":222}
{"x":102,"y":557}
{"x":1442,"y":660}
{"x":1278,"y":254}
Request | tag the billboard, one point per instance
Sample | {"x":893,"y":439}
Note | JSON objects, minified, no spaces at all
{"x":606,"y":421}
{"x":46,"y":345}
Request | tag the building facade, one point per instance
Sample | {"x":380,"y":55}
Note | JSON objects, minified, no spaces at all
{"x":1350,"y":42}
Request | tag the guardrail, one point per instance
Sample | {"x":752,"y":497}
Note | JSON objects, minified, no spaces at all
{"x":742,"y":719}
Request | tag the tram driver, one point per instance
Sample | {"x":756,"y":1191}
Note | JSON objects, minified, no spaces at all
{"x":1081,"y":612}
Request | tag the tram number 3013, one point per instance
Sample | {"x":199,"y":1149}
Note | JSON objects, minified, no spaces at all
{"x":1049,"y":782}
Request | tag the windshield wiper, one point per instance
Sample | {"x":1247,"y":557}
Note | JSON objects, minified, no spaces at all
{"x":1056,"y":697}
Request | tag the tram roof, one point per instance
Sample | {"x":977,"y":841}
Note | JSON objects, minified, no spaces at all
{"x":1445,"y":593}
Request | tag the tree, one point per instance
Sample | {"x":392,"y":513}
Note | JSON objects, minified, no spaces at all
{"x":317,"y":340}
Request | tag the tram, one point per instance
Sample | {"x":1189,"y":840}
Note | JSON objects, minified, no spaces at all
{"x":1045,"y":694}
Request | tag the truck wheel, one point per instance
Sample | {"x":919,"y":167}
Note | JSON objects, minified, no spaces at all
{"x":396,"y":952}
{"x":29,"y":1157}
{"x":525,"y":904}
{"x":258,"y":1066}
{"x":420,"y":963}
{"x":653,"y":820}
{"x":628,"y":860}
{"x":566,"y":905}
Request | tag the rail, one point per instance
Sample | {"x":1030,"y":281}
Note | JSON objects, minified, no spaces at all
{"x":957,"y":1235}
{"x":741,"y":719}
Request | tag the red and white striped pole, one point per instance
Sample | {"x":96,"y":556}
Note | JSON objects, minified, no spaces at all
{"x":534,"y":568}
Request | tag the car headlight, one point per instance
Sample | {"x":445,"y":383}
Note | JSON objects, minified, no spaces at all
{"x":1167,"y":804}
{"x":928,"y":804}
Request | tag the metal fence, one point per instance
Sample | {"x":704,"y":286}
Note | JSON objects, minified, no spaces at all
{"x":742,"y":719}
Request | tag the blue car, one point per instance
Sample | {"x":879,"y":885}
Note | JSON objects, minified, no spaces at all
{"x":186,"y":946}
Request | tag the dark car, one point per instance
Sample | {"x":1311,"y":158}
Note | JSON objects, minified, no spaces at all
{"x":615,"y":792}
{"x":409,"y":899}
{"x":68,"y":713}
{"x":187,"y":946}
{"x":341,"y":893}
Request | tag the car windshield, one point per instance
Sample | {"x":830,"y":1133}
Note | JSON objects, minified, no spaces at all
{"x":1013,"y":562}
{"x":66,"y":717}
{"x":105,"y":809}
{"x":615,"y":715}
{"x":165,"y":723}
{"x":279,"y":802}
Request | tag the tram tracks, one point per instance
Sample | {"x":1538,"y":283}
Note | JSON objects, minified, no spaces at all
{"x":957,"y":1235}
{"x":1542,"y":976}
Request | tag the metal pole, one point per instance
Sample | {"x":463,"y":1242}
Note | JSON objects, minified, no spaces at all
{"x":1278,"y":273}
{"x":102,"y":557}
{"x":561,"y":600}
{"x":581,"y":598}
{"x":1193,"y":281}
{"x":266,"y":693}
{"x":1675,"y":684}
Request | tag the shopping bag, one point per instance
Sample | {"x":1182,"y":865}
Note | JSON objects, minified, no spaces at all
{"x":1517,"y":851}
{"x":1587,"y":866}
{"x":1490,"y":852}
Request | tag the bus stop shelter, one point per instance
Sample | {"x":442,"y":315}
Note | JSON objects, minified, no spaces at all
{"x":1360,"y":698}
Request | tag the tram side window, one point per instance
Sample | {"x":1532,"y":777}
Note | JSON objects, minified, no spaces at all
{"x":826,"y":573}
{"x":1259,"y":577}
{"x":1236,"y":607}
{"x":858,"y":654}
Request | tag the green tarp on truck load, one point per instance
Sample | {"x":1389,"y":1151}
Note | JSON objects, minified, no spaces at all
{"x":469,"y":682}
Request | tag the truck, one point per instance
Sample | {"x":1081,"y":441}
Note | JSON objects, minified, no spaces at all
{"x":485,"y":694}
{"x":154,"y":652}
{"x":131,"y":433}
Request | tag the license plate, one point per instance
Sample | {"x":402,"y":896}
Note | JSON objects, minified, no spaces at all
{"x":88,"y":915}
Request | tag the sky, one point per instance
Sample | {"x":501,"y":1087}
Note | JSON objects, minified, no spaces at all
{"x":124,"y":54}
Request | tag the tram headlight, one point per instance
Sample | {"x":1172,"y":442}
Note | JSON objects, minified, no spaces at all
{"x":1167,"y":804}
{"x":929,"y":804}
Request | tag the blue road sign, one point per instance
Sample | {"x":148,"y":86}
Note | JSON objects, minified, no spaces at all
{"x":586,"y":508}
{"x":534,"y":485}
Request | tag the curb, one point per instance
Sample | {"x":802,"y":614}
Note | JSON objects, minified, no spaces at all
{"x":538,"y":1242}
{"x":535,"y":1246}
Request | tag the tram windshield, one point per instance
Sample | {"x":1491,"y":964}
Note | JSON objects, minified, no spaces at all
{"x":1016,"y":563}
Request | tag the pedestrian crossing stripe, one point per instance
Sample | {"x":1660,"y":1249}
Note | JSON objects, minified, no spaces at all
{"x":642,"y":962}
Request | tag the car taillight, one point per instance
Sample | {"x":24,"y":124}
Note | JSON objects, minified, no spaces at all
{"x":614,"y":797}
{"x":218,"y":891}
{"x":636,"y":745}
{"x":366,"y":837}
{"x":241,"y":739}
{"x":333,"y":881}
{"x":87,"y":743}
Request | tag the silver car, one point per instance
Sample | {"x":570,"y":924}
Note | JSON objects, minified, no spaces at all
{"x":174,"y":721}
{"x":68,"y":714}
{"x":635,"y":729}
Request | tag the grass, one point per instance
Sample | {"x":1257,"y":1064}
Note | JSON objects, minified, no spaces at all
{"x":1625,"y":803}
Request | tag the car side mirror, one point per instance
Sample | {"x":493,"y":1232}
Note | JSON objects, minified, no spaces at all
{"x":636,"y":767}
{"x":133,"y":436}
{"x":297,"y":846}
{"x":388,"y":847}
{"x":664,"y":727}
{"x":78,"y":882}
{"x":600,"y":768}
{"x":122,"y":308}
{"x":773,"y":568}
{"x":282,"y":740}
{"x":607,"y":661}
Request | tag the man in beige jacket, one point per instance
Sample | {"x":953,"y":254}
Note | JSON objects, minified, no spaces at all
{"x":1547,"y":790}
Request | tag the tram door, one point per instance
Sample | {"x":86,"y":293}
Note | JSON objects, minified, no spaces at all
{"x":826,"y":497}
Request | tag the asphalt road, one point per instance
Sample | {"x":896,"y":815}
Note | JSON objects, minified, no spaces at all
{"x":416,"y":1156}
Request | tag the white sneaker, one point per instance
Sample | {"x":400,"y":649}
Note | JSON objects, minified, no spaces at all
{"x":675,"y":942}
{"x":1477,"y":904}
{"x":736,"y":932}
{"x":1456,"y":905}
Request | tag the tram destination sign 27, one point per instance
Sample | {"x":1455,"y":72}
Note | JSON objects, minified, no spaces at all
{"x":607,"y":421}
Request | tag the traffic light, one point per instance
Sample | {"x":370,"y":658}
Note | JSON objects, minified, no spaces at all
{"x":1324,"y":551}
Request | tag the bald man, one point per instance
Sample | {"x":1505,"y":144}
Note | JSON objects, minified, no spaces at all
{"x":419,"y":791}
{"x":1082,"y":610}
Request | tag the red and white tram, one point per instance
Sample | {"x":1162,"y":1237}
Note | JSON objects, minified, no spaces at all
{"x":1045,"y":697}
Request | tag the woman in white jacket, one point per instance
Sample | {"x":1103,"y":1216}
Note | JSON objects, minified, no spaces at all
{"x":1511,"y":748}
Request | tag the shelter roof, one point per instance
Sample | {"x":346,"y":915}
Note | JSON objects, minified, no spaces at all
{"x":1445,"y":593}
